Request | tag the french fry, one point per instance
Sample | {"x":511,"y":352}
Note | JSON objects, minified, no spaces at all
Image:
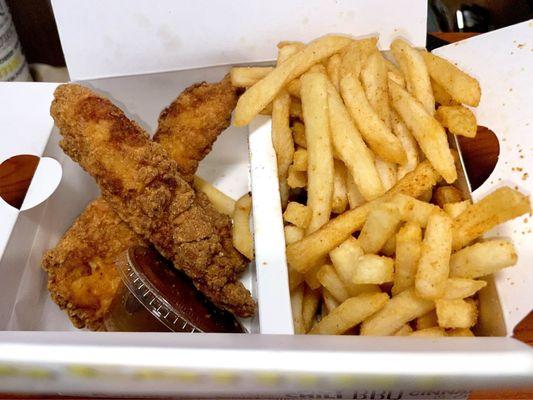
{"x":389,"y":248}
{"x":355,"y":55}
{"x":373,"y":269}
{"x":455,"y":209}
{"x":456,"y":313}
{"x":282,"y":140}
{"x":387,"y":173}
{"x":375,"y":132}
{"x":408,"y":143}
{"x":242,"y":236}
{"x":310,"y":304}
{"x":460,"y":332}
{"x":319,"y":150}
{"x":298,"y":133}
{"x":375,"y":83}
{"x":329,"y":301}
{"x":351,"y":148}
{"x":416,"y":73}
{"x":299,"y":161}
{"x":293,"y":234}
{"x":311,"y":276}
{"x":340,"y":199}
{"x":427,"y":131}
{"x":447,"y":194}
{"x":405,"y":330}
{"x":426,"y":196}
{"x":295,"y":279}
{"x":501,"y":205}
{"x":350,"y":313}
{"x":296,"y":179}
{"x":330,"y":280}
{"x":441,"y":96}
{"x":303,"y":254}
{"x":355,"y":198}
{"x":381,"y":223}
{"x":413,"y":210}
{"x":293,"y":87}
{"x":482,"y":259}
{"x":296,"y":305}
{"x":333,"y":70}
{"x":263,"y":92}
{"x":222,"y":202}
{"x":394,"y":73}
{"x":429,"y":332}
{"x":248,"y":76}
{"x":459,"y":85}
{"x":434,"y":263}
{"x":297,"y":214}
{"x":460,"y":288}
{"x":458,"y":119}
{"x":398,"y":311}
{"x":408,"y":245}
{"x":428,"y":320}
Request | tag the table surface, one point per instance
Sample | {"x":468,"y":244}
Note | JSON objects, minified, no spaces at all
{"x":480,"y":155}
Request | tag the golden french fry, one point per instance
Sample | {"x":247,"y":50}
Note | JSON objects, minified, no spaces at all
{"x":447,"y":194}
{"x":460,"y":332}
{"x":296,"y":179}
{"x":374,"y":78}
{"x":298,"y":133}
{"x":292,"y":234}
{"x":501,"y":205}
{"x":413,"y":210}
{"x":319,"y":150}
{"x":242,"y":236}
{"x":340,"y":199}
{"x":222,"y":202}
{"x":482,"y":259}
{"x":430,"y":332}
{"x":416,"y":73}
{"x":373,"y":269}
{"x":330,"y":280}
{"x":387,"y":173}
{"x":456,"y":313}
{"x":394,"y":73}
{"x":299,"y":161}
{"x":355,"y":55}
{"x":296,"y":306}
{"x":427,"y":131}
{"x":460,"y":86}
{"x":297,"y":214}
{"x":399,"y":310}
{"x":310,"y":304}
{"x":428,"y":320}
{"x":303,"y":254}
{"x":381,"y":223}
{"x":248,"y":76}
{"x":375,"y":132}
{"x":333,"y":69}
{"x":460,"y":288}
{"x":404,"y":330}
{"x":282,"y":140}
{"x":352,"y":149}
{"x":329,"y":302}
{"x":293,"y":87}
{"x":264,"y":91}
{"x":458,"y":119}
{"x":350,"y":313}
{"x":408,"y":245}
{"x":455,"y":209}
{"x":408,"y":143}
{"x":441,"y":96}
{"x":355,"y":198}
{"x":434,"y":264}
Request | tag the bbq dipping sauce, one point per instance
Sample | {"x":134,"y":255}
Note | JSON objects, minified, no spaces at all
{"x":156,"y":297}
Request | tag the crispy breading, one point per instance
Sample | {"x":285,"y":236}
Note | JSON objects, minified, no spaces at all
{"x":189,"y":126}
{"x":142,"y":185}
{"x":81,"y":274}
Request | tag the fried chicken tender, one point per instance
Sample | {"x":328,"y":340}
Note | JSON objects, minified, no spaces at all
{"x":190,"y":125}
{"x":82,"y":277}
{"x":142,"y":185}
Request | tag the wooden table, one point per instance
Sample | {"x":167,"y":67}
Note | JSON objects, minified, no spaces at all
{"x":480,"y":154}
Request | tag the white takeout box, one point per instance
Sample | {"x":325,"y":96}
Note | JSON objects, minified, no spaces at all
{"x":142,"y":54}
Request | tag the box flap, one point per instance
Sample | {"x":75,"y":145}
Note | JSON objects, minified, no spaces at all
{"x":501,"y":61}
{"x":102,"y":38}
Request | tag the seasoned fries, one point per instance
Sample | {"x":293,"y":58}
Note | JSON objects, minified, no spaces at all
{"x":408,"y":245}
{"x":373,"y":269}
{"x":380,"y":225}
{"x":248,"y":76}
{"x":328,"y":278}
{"x":222,"y":202}
{"x":447,"y":194}
{"x":456,"y":313}
{"x":482,"y":259}
{"x":458,"y":119}
{"x":242,"y":236}
{"x":297,"y":214}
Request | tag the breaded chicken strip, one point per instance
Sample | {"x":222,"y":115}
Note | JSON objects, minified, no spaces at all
{"x":81,"y":274}
{"x":72,"y":277}
{"x":189,"y":126}
{"x":141,"y":183}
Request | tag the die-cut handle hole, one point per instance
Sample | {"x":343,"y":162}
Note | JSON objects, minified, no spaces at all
{"x":480,"y":155}
{"x":28,"y":180}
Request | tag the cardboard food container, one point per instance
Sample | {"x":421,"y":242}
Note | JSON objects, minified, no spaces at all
{"x":142,"y":54}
